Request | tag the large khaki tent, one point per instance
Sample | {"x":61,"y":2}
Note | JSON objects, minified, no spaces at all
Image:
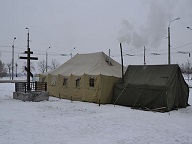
{"x":152,"y":87}
{"x":85,"y":77}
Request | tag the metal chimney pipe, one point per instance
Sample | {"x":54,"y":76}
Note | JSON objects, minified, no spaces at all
{"x":122,"y":68}
{"x":109,"y":57}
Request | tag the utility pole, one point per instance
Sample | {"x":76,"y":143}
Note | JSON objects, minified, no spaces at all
{"x":13,"y":58}
{"x":46,"y":62}
{"x":144,"y":55}
{"x":169,"y":47}
{"x":109,"y":57}
{"x":47,"y":58}
{"x":16,"y":65}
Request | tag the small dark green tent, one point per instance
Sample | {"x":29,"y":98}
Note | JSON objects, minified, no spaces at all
{"x":152,"y":87}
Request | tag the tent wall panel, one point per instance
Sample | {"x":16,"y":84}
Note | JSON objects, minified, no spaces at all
{"x":91,"y":93}
{"x":107,"y":85}
{"x":53,"y":85}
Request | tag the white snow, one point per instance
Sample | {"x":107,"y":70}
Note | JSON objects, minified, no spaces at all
{"x":60,"y":121}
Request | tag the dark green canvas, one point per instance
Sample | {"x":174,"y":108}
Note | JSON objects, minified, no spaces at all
{"x":152,"y":87}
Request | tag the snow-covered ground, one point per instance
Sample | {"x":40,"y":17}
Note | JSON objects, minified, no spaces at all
{"x":60,"y":121}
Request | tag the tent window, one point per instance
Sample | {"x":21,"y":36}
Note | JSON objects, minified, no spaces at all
{"x":91,"y":82}
{"x":78,"y":82}
{"x":65,"y":81}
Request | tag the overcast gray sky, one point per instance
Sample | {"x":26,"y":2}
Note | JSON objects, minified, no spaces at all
{"x":94,"y":26}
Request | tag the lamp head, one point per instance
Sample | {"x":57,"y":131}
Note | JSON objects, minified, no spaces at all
{"x":48,"y":49}
{"x":27,"y":29}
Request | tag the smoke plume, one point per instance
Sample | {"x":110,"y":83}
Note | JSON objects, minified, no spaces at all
{"x":154,"y":31}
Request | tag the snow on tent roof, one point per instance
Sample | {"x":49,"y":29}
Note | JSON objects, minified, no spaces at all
{"x":92,"y":64}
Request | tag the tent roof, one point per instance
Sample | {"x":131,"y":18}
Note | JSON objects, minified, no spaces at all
{"x":150,"y":74}
{"x":92,"y":64}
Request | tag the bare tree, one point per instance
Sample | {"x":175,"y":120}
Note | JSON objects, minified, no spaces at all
{"x":32,"y":67}
{"x":3,"y":70}
{"x":182,"y":67}
{"x":54,"y":64}
{"x":186,"y":69}
{"x":9,"y":68}
{"x":42,"y":66}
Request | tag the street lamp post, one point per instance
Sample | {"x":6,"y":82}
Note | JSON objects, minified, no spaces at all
{"x":169,"y":45}
{"x":47,"y":57}
{"x":13,"y":57}
{"x":190,"y":29}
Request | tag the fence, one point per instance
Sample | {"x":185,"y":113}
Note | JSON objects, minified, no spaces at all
{"x":34,"y":86}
